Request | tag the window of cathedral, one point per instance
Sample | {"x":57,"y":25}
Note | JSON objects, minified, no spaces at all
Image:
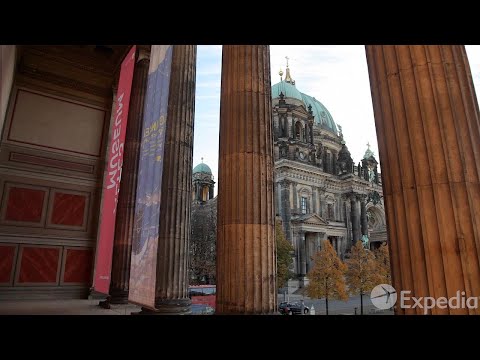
{"x":330,"y":212}
{"x":304,"y":205}
{"x":298,"y":130}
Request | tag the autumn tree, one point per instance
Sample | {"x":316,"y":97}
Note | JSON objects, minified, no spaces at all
{"x":361,"y":271}
{"x":284,"y":257}
{"x":327,"y":277}
{"x":382,"y":259}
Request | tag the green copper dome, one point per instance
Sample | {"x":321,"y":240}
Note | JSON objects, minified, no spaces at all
{"x":204,"y":168}
{"x":288,"y":90}
{"x":368,"y":153}
{"x":321,"y":115}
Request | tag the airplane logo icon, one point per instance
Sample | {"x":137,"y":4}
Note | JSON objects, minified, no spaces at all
{"x":383,"y":296}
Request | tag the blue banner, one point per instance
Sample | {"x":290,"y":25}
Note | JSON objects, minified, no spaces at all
{"x":143,"y":268}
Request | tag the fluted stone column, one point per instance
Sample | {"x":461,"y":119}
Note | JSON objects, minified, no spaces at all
{"x":355,"y":219}
{"x":122,"y":246}
{"x":286,"y":206}
{"x":428,"y":128}
{"x":296,"y":207}
{"x":363,"y":215}
{"x":302,"y":253}
{"x":246,"y":262}
{"x":171,"y":293}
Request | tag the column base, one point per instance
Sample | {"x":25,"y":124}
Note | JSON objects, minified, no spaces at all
{"x":168,"y":307}
{"x":119,"y":297}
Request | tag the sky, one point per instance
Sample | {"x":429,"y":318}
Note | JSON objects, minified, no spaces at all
{"x":336,"y":75}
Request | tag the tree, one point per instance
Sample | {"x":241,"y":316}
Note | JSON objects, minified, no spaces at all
{"x":382,"y":260}
{"x":327,"y":277}
{"x":361,"y":271}
{"x":284,"y":257}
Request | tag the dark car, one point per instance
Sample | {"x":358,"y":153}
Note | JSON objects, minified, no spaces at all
{"x":286,"y":308}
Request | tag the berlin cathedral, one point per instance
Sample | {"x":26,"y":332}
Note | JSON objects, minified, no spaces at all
{"x":321,"y":193}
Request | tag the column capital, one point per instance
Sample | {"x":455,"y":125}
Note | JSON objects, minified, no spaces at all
{"x":361,"y":197}
{"x":285,"y":183}
{"x":143,"y":52}
{"x":352,"y":195}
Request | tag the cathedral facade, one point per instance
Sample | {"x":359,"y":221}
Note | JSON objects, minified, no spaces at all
{"x":320,"y":192}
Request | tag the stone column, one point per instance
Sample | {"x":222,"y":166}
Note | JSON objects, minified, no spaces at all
{"x":171,"y":293}
{"x":318,"y":241}
{"x":428,"y":127}
{"x":296,"y":208}
{"x":122,"y":246}
{"x":322,"y":204}
{"x":334,"y":162}
{"x":355,"y":219}
{"x":8,"y":56}
{"x":363,"y":215}
{"x":246,"y":262}
{"x":302,"y":253}
{"x":285,"y":207}
{"x":210,"y":192}
{"x":293,"y":128}
{"x":314,"y":200}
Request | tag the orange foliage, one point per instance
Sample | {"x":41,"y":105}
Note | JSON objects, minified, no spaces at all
{"x":327,"y":277}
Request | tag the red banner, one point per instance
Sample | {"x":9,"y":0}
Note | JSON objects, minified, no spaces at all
{"x":112,"y":177}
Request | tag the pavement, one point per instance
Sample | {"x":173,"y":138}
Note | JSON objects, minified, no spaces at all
{"x":63,"y":307}
{"x":90,"y":307}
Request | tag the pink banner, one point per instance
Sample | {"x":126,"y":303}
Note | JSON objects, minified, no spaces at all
{"x":112,"y":177}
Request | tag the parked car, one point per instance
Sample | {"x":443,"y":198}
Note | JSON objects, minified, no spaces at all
{"x":286,"y":308}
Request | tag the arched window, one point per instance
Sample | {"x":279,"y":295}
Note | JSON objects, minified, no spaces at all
{"x":304,"y":205}
{"x":298,"y":131}
{"x":331,"y":214}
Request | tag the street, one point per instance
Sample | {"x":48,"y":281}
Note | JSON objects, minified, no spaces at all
{"x":337,"y":307}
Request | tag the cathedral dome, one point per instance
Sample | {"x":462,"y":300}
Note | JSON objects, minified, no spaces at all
{"x":202,"y":168}
{"x":288,"y":90}
{"x":322,"y":116}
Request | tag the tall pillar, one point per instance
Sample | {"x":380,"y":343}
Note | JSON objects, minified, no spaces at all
{"x":293,"y":128}
{"x":428,"y":127}
{"x":363,"y":215}
{"x":314,"y":200}
{"x":285,"y":207}
{"x":246,"y":262}
{"x":334,"y":162}
{"x":302,"y":253}
{"x":355,"y":219}
{"x":171,"y":290}
{"x":174,"y":231}
{"x":296,"y":207}
{"x":8,"y":56}
{"x":122,"y":246}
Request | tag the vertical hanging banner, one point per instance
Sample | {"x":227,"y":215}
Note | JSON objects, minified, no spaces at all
{"x":112,"y":177}
{"x":143,"y":266}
